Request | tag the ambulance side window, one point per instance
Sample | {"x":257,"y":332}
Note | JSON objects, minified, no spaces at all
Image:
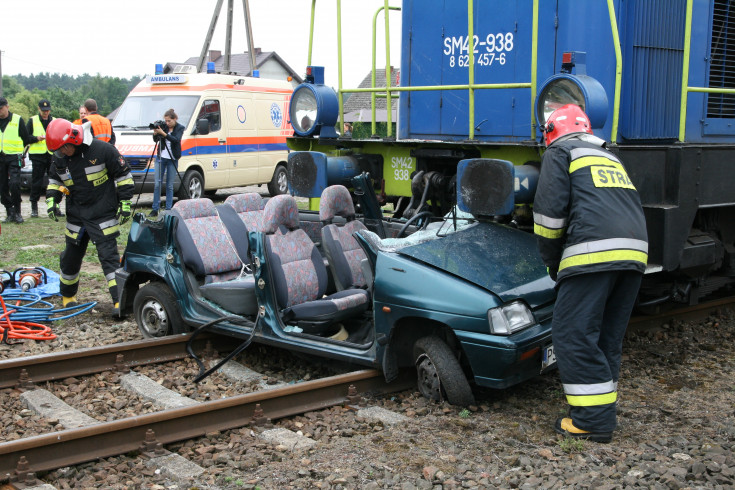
{"x":211,"y":112}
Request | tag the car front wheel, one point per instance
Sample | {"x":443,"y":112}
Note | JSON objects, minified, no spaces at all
{"x":279,"y":183}
{"x":192,"y":186}
{"x":156,"y":312}
{"x":440,"y":376}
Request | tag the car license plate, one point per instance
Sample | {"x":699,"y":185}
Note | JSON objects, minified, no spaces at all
{"x":549,"y":358}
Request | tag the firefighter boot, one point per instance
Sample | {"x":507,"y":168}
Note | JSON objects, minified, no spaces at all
{"x":565,"y":427}
{"x":34,"y":209}
{"x":9,"y":214}
{"x":69,"y":302}
{"x":18,"y":217}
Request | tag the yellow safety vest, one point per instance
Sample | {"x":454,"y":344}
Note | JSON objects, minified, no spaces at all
{"x":40,"y":146}
{"x":10,"y":143}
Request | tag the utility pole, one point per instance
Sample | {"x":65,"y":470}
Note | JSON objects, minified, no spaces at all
{"x":228,"y":39}
{"x":249,"y":32}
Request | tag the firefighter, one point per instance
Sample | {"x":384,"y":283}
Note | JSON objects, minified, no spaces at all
{"x":101,"y":126}
{"x":99,"y":186}
{"x":591,"y":234}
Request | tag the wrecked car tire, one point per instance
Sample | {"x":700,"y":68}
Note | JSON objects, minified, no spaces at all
{"x":156,"y":312}
{"x":440,"y":377}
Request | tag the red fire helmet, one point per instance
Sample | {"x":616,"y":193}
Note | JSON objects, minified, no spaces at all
{"x":565,"y":120}
{"x":61,"y":132}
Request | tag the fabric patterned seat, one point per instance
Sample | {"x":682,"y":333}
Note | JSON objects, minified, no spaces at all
{"x":342,"y":250}
{"x":299,"y":274}
{"x":207,"y":248}
{"x":249,"y":207}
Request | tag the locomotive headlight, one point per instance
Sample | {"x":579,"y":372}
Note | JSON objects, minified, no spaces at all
{"x":581,"y":90}
{"x":314,"y":110}
{"x":506,"y":319}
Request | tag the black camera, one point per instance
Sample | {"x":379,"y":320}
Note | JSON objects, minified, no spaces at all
{"x":160,"y":125}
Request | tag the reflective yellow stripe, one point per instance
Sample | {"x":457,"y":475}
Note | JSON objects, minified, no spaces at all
{"x":101,"y":180}
{"x":588,"y":161}
{"x":70,"y":234}
{"x":112,"y":283}
{"x":602,"y":257}
{"x":53,"y":187}
{"x":69,"y":282}
{"x":126,"y":182}
{"x":592,"y":400}
{"x":97,"y":175}
{"x":548,"y":232}
{"x":111,"y":230}
{"x":68,"y":182}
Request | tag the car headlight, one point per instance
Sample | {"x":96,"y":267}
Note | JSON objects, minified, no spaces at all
{"x":510,"y":318}
{"x":581,"y":90}
{"x":314,"y":110}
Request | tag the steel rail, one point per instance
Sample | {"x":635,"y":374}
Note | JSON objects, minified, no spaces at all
{"x":686,"y":313}
{"x":75,"y":446}
{"x":80,"y":362}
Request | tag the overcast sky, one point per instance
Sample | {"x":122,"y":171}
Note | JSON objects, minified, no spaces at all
{"x":124,"y":38}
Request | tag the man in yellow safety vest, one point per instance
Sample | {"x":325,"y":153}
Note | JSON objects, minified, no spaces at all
{"x":13,"y":138}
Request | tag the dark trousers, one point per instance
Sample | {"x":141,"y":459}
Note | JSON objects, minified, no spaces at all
{"x":41,"y":164}
{"x":10,"y":182}
{"x":590,"y":318}
{"x":71,"y":263}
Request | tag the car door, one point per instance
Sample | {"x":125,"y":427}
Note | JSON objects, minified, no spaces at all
{"x":242,"y":144}
{"x":211,"y":148}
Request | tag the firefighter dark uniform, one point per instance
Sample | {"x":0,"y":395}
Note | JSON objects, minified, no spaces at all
{"x":98,"y":182}
{"x":40,"y":156}
{"x":592,"y":236}
{"x":101,"y":127}
{"x":13,"y":138}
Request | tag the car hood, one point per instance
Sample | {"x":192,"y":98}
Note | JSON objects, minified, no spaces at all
{"x":498,"y":258}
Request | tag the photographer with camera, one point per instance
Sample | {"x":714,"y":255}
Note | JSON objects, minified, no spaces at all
{"x":167,"y":134}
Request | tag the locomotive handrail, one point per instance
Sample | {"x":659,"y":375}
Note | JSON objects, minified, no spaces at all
{"x":685,"y":87}
{"x":471,"y":86}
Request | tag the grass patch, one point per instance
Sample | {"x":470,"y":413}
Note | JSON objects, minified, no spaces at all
{"x":39,"y":241}
{"x":571,"y":445}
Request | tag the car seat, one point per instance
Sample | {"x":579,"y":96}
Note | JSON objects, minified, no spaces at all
{"x":209,"y":251}
{"x":344,"y":254}
{"x":299,"y":276}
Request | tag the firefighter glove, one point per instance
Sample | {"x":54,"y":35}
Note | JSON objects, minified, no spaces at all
{"x":553,"y":272}
{"x":52,"y":208}
{"x":123,"y":212}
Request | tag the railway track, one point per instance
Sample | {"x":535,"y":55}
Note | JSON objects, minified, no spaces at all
{"x":22,"y":458}
{"x":148,"y":433}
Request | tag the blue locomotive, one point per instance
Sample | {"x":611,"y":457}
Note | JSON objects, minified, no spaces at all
{"x":477,"y":80}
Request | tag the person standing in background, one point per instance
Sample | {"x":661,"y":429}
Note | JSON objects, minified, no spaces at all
{"x":13,"y":139}
{"x":168,"y":160}
{"x":39,"y":154}
{"x":101,"y":126}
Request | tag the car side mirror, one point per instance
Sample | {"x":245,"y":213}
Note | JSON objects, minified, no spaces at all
{"x":202,"y":126}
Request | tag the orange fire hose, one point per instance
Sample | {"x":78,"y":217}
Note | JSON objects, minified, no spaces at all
{"x":10,"y":329}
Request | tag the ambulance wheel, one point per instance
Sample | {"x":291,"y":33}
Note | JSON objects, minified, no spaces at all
{"x":193,"y":185}
{"x":279,"y":183}
{"x":156,"y":311}
{"x":440,"y":377}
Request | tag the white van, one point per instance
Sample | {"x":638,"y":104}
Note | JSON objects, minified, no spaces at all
{"x":236,"y":130}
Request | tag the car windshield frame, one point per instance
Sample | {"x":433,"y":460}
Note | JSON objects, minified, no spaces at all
{"x":137,"y":112}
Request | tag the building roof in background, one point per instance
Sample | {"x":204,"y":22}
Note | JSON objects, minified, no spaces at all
{"x":239,"y":62}
{"x":358,"y":106}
